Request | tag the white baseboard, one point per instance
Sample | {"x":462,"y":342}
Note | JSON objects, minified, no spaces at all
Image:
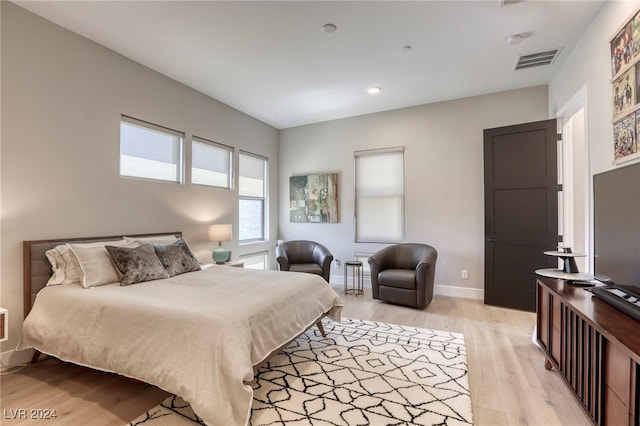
{"x":441,"y":290}
{"x":13,"y":357}
{"x":339,"y":281}
{"x":463,"y":292}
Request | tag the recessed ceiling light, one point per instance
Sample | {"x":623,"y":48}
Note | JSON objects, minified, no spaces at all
{"x":329,"y":28}
{"x":374,"y":90}
{"x":514,"y":39}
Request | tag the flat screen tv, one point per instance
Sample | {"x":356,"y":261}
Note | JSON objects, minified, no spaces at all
{"x":616,"y":196}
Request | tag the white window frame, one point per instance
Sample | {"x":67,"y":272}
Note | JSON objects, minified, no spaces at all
{"x":367,"y":215}
{"x":263,"y":198}
{"x":264,"y":254}
{"x":179,"y":164}
{"x":364,"y":258}
{"x":229,"y":151}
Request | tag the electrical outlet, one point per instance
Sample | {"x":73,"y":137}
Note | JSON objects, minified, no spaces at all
{"x":464,"y":274}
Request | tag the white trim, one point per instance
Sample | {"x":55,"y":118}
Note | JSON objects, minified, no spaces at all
{"x":338,"y":279}
{"x":462,"y":292}
{"x":573,"y":105}
{"x":13,"y":357}
{"x":577,"y":102}
{"x":439,"y":290}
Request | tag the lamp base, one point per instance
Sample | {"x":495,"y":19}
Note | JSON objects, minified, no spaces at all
{"x":220,"y":255}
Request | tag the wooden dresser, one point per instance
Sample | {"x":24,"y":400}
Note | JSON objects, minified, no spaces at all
{"x":594,"y":347}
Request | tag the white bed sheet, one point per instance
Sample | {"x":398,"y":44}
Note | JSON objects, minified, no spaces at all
{"x":197,"y":335}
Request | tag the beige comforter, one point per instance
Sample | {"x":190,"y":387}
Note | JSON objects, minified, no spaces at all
{"x":196,"y":335}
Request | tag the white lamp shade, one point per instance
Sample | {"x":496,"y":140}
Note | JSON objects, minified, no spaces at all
{"x":220,"y":232}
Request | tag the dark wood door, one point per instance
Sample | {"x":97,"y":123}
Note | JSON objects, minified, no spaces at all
{"x":521,"y":210}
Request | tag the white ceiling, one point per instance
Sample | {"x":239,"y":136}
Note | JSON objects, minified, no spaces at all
{"x":272,"y":61}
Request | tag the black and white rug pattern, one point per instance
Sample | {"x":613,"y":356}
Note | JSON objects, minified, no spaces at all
{"x":361,"y":373}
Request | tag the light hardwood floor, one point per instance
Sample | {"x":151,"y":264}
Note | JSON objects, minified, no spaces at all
{"x":509,"y":384}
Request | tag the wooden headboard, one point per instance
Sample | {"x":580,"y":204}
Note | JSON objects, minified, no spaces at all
{"x":37,"y":269}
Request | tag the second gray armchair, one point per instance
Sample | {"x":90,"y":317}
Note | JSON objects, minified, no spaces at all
{"x":304,"y":256}
{"x":403,"y":274}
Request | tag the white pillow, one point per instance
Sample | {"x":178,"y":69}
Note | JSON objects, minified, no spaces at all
{"x":96,"y":263}
{"x":66,"y":269}
{"x":161,"y":239}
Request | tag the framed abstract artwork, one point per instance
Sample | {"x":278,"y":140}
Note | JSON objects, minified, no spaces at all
{"x":313,"y":198}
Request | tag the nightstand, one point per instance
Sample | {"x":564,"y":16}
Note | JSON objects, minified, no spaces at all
{"x":4,"y":324}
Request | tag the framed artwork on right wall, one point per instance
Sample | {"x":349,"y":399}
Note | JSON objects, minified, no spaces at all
{"x":625,"y":89}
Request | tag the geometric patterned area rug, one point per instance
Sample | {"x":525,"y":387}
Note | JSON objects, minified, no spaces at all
{"x":361,"y":373}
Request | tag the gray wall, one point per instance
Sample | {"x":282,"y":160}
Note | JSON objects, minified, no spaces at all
{"x":62,"y":97}
{"x":443,"y":176}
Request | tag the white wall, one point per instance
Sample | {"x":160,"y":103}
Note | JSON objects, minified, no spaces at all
{"x":589,"y":64}
{"x":587,"y":72}
{"x":62,"y":97}
{"x":443,"y":176}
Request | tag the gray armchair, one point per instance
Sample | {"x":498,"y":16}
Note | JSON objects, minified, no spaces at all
{"x":403,"y":274}
{"x":304,"y":256}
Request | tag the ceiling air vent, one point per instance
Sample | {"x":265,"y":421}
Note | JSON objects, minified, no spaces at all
{"x":537,"y":59}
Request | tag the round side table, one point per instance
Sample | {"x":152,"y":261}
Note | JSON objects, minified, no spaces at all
{"x":357,"y":278}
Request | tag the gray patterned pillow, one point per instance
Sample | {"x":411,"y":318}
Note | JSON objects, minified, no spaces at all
{"x":177,"y":257}
{"x":137,"y":264}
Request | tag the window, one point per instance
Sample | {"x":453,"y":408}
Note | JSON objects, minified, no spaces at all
{"x":149,"y":151}
{"x":255,"y":260}
{"x":379,"y":184}
{"x":364,"y":258}
{"x":211,"y":163}
{"x":252,"y":191}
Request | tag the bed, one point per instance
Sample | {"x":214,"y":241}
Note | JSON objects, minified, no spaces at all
{"x":199,"y":335}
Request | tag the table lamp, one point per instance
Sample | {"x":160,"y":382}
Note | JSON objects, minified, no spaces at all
{"x":220,"y":233}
